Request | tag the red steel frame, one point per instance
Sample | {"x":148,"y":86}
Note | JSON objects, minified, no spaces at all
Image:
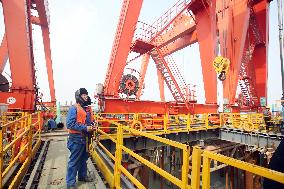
{"x":17,"y":45}
{"x":236,"y":25}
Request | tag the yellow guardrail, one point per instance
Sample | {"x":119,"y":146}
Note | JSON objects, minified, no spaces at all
{"x":200,"y":160}
{"x":208,"y":156}
{"x":161,"y":124}
{"x":10,"y":116}
{"x":19,"y":141}
{"x":113,"y":178}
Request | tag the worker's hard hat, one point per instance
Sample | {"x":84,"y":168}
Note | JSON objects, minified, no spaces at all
{"x":78,"y":94}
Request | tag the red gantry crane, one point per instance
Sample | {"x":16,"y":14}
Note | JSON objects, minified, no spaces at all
{"x":17,"y":47}
{"x":235,"y":31}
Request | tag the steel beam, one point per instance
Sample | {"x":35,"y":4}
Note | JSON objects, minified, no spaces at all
{"x":141,"y":143}
{"x":255,"y":139}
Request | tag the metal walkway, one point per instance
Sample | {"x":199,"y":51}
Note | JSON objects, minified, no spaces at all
{"x":53,"y":172}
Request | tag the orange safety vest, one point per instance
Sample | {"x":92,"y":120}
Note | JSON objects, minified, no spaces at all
{"x":81,"y":117}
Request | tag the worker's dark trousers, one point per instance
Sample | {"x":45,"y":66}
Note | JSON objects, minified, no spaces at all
{"x":277,"y":164}
{"x":77,"y":162}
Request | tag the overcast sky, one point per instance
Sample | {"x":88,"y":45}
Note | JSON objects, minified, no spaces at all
{"x":82,"y":34}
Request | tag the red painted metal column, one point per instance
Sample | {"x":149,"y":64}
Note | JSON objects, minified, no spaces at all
{"x":20,"y":52}
{"x":123,"y":38}
{"x":260,"y":55}
{"x":3,"y":54}
{"x":161,"y":83}
{"x":234,"y":41}
{"x":206,"y":35}
{"x":46,"y":42}
{"x":143,"y":70}
{"x":44,"y":23}
{"x":17,"y":30}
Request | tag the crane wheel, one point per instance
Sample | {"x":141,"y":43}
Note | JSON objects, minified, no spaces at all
{"x":248,"y":126}
{"x":137,"y":125}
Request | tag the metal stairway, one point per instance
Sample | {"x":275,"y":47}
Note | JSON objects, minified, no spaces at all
{"x":247,"y":71}
{"x":246,"y":83}
{"x":171,"y":75}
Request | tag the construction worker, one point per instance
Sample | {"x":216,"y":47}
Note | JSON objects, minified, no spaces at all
{"x":267,"y":117}
{"x":79,"y":124}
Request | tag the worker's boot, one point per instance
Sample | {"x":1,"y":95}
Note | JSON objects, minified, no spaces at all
{"x":86,"y":179}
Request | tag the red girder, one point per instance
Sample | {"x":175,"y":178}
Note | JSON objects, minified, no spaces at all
{"x":121,"y":106}
{"x":181,"y":43}
{"x":181,"y":26}
{"x":120,"y":49}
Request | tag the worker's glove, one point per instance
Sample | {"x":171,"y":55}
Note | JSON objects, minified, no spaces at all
{"x":90,"y":128}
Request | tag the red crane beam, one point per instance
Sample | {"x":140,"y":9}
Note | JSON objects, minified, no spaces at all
{"x":122,"y":106}
{"x":124,"y":34}
{"x":180,"y":43}
{"x":181,"y":26}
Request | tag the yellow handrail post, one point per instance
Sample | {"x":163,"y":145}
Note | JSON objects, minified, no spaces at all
{"x":25,"y":120}
{"x":166,"y":118}
{"x":39,"y":125}
{"x":1,"y":155}
{"x":188,"y":122}
{"x":118,"y":156}
{"x":206,"y":121}
{"x":30,"y":136}
{"x":185,"y":167}
{"x":195,"y":172}
{"x":14,"y":138}
{"x":135,"y":117}
{"x":221,"y":117}
{"x":206,"y":173}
